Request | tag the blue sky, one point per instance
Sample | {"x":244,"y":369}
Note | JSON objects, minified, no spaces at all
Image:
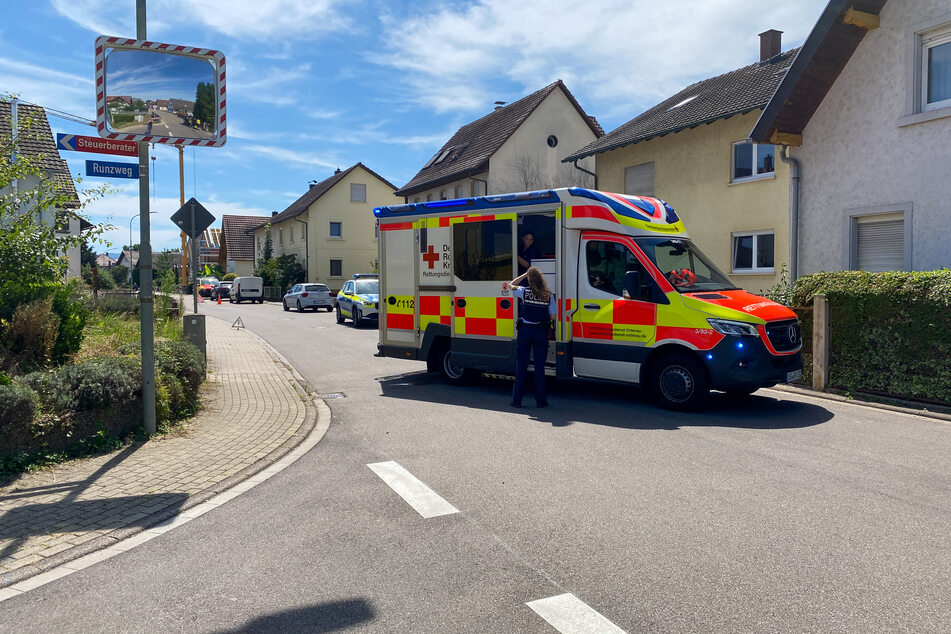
{"x":318,"y":84}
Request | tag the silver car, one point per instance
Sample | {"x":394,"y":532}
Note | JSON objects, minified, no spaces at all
{"x":309,"y":296}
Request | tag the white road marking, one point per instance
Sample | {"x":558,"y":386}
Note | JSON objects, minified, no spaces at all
{"x":570,"y":615}
{"x":426,"y":501}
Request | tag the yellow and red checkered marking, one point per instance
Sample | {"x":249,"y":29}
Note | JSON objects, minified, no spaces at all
{"x":485,"y":316}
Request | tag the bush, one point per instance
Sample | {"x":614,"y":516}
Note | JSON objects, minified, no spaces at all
{"x":181,"y":359}
{"x":30,"y":336}
{"x":69,"y":304}
{"x":890,"y":332}
{"x":18,"y":406}
{"x":98,"y":383}
{"x":229,"y":277}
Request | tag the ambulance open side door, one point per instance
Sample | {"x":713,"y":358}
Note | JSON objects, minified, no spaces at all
{"x":483,"y":314}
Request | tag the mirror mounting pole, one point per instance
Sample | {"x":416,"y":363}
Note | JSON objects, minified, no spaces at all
{"x":146,"y":305}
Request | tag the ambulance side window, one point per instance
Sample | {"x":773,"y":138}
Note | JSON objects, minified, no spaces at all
{"x":482,"y":251}
{"x":607,"y":263}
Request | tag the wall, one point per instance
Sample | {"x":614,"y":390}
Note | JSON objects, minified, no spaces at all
{"x":692,"y":173}
{"x":859,"y":152}
{"x":526,"y":162}
{"x":357,"y":248}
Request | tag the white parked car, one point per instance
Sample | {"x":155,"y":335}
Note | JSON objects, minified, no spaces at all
{"x":251,"y":288}
{"x":313,"y":296}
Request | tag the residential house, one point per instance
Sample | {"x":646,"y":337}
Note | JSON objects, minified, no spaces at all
{"x":104,"y":260}
{"x":692,"y":151}
{"x":35,"y":140}
{"x":331,"y":228}
{"x":209,"y":246}
{"x":236,"y":253}
{"x":517,"y":147}
{"x":128,"y":259}
{"x":865,"y":111}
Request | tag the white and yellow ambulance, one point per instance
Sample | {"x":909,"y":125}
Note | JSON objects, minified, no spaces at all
{"x":638,"y":302}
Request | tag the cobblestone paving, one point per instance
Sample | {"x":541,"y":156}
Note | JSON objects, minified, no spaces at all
{"x":252,"y":405}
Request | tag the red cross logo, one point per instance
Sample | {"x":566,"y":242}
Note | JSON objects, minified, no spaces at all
{"x":431,"y":256}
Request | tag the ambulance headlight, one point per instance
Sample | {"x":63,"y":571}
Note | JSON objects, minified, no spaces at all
{"x":735,"y":328}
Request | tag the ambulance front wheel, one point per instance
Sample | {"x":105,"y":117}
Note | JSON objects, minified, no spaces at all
{"x":680,"y":382}
{"x":451,"y":373}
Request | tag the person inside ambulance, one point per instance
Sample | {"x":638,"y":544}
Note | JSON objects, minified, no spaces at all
{"x":527,"y":252}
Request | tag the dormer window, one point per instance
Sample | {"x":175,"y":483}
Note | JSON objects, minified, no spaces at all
{"x":446,"y":154}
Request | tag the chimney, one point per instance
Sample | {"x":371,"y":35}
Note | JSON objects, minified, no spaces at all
{"x":273,"y":213}
{"x":770,"y":44}
{"x":336,"y":171}
{"x":311,"y":185}
{"x":499,"y":105}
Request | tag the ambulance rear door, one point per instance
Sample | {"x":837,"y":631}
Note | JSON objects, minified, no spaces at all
{"x":398,"y":298}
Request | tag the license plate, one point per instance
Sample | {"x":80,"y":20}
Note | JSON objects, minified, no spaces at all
{"x":793,"y":376}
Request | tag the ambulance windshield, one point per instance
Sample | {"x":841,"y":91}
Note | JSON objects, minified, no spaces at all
{"x":685,"y":266}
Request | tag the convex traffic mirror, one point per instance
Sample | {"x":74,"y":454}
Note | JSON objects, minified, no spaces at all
{"x":159,"y":93}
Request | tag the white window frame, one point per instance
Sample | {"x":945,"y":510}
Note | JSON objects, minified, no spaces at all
{"x":292,"y":234}
{"x":330,"y":229}
{"x":358,"y":200}
{"x":280,"y":236}
{"x":851,"y":219}
{"x":752,"y":177}
{"x":920,"y":38}
{"x":754,"y":270}
{"x":340,"y":275}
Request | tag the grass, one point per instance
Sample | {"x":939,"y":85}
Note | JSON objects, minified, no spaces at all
{"x":106,"y":331}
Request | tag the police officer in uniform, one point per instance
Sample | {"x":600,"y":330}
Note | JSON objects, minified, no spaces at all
{"x":537,"y":312}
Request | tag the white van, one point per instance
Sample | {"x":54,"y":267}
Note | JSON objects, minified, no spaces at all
{"x":251,"y":288}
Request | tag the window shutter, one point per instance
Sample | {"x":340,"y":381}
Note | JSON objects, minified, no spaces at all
{"x":639,"y":179}
{"x":881,"y":245}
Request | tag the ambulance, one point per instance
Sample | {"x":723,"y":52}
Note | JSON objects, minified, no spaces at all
{"x":638,"y":302}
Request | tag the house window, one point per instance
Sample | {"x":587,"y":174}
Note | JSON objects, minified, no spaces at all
{"x":429,"y":197}
{"x":639,"y":179}
{"x":280,"y":235}
{"x":358,"y":193}
{"x":336,"y":267}
{"x":336,"y":229}
{"x":292,"y":235}
{"x":879,"y":238}
{"x":936,"y":68}
{"x":442,"y":194}
{"x":753,"y":252}
{"x":753,"y":160}
{"x":458,"y":191}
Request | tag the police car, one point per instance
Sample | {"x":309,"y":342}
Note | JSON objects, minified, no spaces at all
{"x":359,"y":299}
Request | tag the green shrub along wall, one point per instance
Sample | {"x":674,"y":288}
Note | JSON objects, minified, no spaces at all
{"x":890,"y":333}
{"x":93,"y":404}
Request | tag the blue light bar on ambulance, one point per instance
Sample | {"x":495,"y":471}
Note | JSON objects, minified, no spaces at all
{"x":533,"y":195}
{"x":456,"y":202}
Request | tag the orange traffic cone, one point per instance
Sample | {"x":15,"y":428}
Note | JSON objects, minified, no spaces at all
{"x":219,"y":300}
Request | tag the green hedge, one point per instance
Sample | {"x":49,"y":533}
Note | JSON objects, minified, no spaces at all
{"x":890,"y":333}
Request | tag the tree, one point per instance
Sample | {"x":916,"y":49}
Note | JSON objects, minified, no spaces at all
{"x":87,"y":257}
{"x":267,"y":249}
{"x":282,"y":272}
{"x":204,"y":109}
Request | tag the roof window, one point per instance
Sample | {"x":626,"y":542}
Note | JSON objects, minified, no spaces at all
{"x":685,"y":101}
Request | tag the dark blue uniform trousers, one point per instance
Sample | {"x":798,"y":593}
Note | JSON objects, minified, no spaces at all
{"x":532,"y":339}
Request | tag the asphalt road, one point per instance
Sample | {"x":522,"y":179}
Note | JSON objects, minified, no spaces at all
{"x":773,"y":513}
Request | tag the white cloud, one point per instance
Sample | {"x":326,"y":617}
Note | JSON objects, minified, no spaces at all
{"x":293,"y":157}
{"x":635,"y":52}
{"x":47,"y":87}
{"x":267,"y":20}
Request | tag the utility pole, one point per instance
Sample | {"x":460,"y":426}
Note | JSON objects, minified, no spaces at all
{"x":146,"y":305}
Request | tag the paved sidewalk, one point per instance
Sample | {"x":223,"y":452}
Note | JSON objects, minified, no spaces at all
{"x":256,"y":410}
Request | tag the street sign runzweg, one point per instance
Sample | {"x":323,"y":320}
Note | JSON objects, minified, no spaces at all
{"x":108,"y":169}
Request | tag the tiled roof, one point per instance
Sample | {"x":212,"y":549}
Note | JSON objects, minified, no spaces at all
{"x":36,"y":140}
{"x":719,"y":97}
{"x":469,"y":149}
{"x":128,"y":256}
{"x":236,"y":238}
{"x":301,"y":205}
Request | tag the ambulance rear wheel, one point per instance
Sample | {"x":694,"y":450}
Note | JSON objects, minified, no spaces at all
{"x":451,"y":373}
{"x":680,"y":383}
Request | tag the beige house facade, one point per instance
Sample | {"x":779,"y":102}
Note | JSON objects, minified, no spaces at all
{"x":692,"y":151}
{"x":517,"y":147}
{"x":331,"y":228}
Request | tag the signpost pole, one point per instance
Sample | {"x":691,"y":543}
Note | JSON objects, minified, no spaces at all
{"x":146,"y":306}
{"x":194,"y":261}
